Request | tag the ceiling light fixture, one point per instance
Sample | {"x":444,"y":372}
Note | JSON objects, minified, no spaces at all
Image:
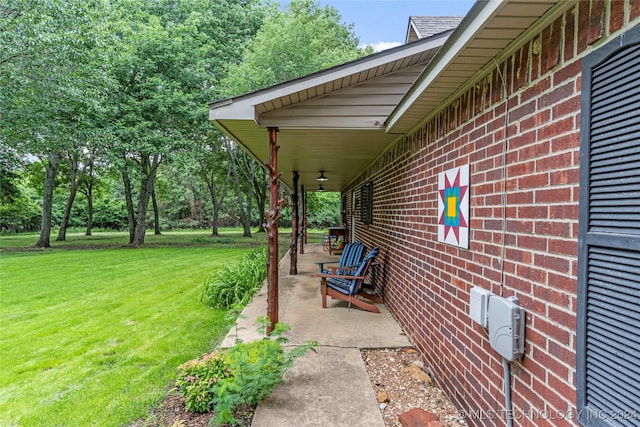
{"x":320,"y":189}
{"x":321,"y":177}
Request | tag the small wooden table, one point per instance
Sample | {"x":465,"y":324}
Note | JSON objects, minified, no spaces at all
{"x":335,"y":232}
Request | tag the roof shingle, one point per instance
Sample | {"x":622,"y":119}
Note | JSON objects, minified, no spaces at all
{"x":426,"y":26}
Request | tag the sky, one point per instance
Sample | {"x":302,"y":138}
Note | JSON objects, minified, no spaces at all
{"x":383,"y":23}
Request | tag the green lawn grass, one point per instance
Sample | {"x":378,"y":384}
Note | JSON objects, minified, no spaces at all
{"x":92,"y":337}
{"x":228,"y":236}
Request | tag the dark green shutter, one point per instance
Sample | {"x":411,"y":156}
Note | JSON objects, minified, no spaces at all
{"x":366,"y":203}
{"x":608,"y":330}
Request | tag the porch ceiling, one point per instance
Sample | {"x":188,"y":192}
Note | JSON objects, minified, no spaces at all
{"x":341,"y":153}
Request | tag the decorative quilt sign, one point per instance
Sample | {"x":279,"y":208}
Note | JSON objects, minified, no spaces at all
{"x":453,"y":206}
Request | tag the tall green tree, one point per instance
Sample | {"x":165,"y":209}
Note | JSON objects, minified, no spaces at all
{"x":171,"y":57}
{"x":18,"y":208}
{"x":300,"y":39}
{"x":54,"y":82}
{"x":214,"y":168}
{"x":323,"y":209}
{"x":150,"y":99}
{"x":242,"y":167}
{"x":79,"y":162}
{"x":95,"y":165}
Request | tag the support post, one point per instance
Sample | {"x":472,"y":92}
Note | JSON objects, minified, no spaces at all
{"x":304,"y":216}
{"x":293,"y":246}
{"x":272,"y":217}
{"x":303,"y":230}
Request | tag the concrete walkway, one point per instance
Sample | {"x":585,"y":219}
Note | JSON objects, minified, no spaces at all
{"x":330,"y":387}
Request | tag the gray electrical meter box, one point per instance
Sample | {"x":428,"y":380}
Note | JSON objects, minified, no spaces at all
{"x":479,"y":305}
{"x":506,"y":327}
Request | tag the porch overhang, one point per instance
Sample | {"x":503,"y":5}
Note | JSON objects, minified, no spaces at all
{"x":330,"y":121}
{"x":342,"y":119}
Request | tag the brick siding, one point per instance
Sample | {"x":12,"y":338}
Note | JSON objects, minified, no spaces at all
{"x":535,"y":169}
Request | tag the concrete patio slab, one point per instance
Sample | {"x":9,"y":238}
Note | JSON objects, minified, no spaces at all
{"x":329,"y":387}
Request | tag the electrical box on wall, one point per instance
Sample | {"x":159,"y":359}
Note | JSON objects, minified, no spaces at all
{"x":479,"y":305}
{"x":506,"y":327}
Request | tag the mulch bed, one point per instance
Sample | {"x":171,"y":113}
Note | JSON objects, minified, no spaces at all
{"x":173,"y":414}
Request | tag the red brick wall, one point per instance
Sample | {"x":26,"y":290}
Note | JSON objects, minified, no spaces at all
{"x":536,"y":168}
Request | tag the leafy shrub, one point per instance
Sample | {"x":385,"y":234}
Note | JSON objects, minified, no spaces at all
{"x":200,"y":380}
{"x":236,"y":283}
{"x":241,"y":375}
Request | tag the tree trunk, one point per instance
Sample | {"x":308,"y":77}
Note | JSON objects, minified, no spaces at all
{"x":293,"y":245}
{"x":128,"y":195}
{"x":304,"y":216}
{"x":62,"y":232}
{"x":249,"y":201}
{"x":156,"y":212}
{"x":246,"y":221}
{"x":149,"y":168}
{"x":89,"y":196}
{"x":51,"y":168}
{"x":214,"y":226}
{"x":243,"y":220}
{"x":90,"y":209}
{"x":261,"y":185}
{"x":76,"y":180}
{"x":141,"y":217}
{"x":216,"y":200}
{"x":208,"y":174}
{"x":304,"y":219}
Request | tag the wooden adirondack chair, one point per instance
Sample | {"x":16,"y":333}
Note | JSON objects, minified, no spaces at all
{"x":348,"y":287}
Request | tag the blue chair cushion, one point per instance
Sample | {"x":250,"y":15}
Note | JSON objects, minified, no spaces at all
{"x":341,"y":285}
{"x":349,"y":286}
{"x":351,"y":256}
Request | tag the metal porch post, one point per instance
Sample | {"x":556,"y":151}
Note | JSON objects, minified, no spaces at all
{"x":304,"y":220}
{"x":293,"y":246}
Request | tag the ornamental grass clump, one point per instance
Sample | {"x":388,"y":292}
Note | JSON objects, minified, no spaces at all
{"x":236,"y":283}
{"x":240,"y":375}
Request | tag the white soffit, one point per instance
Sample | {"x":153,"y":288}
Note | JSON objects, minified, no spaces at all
{"x":325,"y":82}
{"x":489,"y":28}
{"x":332,"y":120}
